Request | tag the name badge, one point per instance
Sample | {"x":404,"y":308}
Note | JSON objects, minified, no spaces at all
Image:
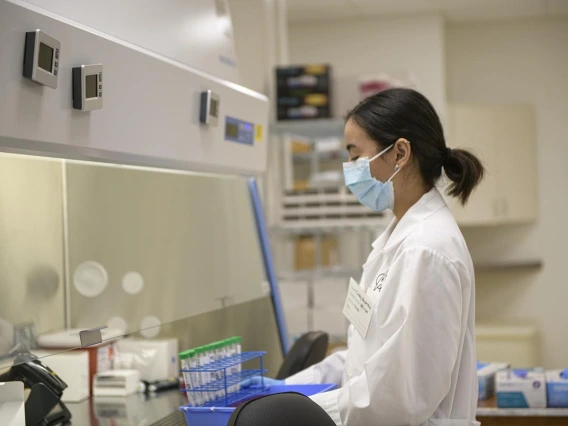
{"x":358,"y":308}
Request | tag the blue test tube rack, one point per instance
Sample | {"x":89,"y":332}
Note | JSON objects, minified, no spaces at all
{"x":228,"y":380}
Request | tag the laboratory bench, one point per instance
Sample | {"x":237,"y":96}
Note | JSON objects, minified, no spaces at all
{"x":162,"y":409}
{"x":489,"y":415}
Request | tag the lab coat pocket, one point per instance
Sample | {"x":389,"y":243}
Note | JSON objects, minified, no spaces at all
{"x":451,"y":422}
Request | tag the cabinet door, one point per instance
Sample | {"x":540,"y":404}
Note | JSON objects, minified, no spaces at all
{"x":514,"y":138}
{"x":473,"y":127}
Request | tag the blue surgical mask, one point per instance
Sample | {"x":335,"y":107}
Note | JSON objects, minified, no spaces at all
{"x":376,"y":195}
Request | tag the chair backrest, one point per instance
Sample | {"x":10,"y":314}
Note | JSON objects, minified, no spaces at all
{"x":308,"y":350}
{"x":281,"y":409}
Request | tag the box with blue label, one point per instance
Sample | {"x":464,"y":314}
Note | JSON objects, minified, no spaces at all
{"x":486,"y":372}
{"x":521,"y":388}
{"x":557,"y":388}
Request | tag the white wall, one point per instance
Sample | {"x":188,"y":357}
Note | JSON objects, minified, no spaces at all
{"x":361,"y":47}
{"x":250,"y":43}
{"x":524,"y":62}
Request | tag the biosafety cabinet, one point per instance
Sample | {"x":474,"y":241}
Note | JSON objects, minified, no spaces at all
{"x":128,"y":166}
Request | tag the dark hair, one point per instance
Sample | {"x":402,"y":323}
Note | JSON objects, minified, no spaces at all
{"x":405,"y":113}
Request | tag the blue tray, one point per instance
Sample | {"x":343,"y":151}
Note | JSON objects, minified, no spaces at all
{"x":219,"y":416}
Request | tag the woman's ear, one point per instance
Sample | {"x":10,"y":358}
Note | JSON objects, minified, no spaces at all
{"x":402,"y":151}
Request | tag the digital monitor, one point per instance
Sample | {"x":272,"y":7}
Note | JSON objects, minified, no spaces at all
{"x":45,"y":57}
{"x":91,"y":86}
{"x":232,"y":130}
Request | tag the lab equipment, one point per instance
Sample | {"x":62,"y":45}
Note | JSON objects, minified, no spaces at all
{"x":557,"y":388}
{"x":209,"y":110}
{"x":517,"y":388}
{"x":116,"y":383}
{"x":88,"y":87}
{"x":43,"y":404}
{"x":138,"y":102}
{"x":486,"y":376}
{"x":41,"y":58}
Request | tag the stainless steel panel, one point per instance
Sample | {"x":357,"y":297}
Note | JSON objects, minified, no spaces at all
{"x":190,"y":238}
{"x":31,"y":246}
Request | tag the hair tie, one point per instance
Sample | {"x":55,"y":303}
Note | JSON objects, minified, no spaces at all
{"x":448,"y":155}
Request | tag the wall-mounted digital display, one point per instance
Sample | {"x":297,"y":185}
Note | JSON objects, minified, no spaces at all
{"x":91,"y":86}
{"x":239,"y":131}
{"x":41,"y":58}
{"x":214,"y":110}
{"x":210,"y":108}
{"x":232,"y":130}
{"x":88,"y":87}
{"x":45,"y":57}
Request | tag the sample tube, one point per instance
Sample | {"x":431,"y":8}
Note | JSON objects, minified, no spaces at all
{"x":184,"y":361}
{"x":237,"y":343}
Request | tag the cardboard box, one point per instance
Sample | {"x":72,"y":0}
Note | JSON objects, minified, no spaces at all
{"x":486,"y":373}
{"x":557,"y":388}
{"x":305,"y":252}
{"x":73,"y":368}
{"x":156,"y":360}
{"x":303,"y":92}
{"x":521,"y":388}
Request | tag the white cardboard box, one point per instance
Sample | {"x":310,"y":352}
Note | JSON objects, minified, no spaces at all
{"x":73,"y":368}
{"x":12,"y":404}
{"x":557,"y":389}
{"x":521,"y":388}
{"x":156,"y":360}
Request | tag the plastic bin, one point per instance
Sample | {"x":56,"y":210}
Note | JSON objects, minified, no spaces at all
{"x":219,"y":416}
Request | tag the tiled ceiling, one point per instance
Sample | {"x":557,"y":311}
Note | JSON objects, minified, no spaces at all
{"x":453,"y":10}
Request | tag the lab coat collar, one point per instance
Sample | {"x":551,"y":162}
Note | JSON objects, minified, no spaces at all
{"x":429,"y":203}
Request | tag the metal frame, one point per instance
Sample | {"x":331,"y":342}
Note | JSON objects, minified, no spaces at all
{"x":269,"y":266}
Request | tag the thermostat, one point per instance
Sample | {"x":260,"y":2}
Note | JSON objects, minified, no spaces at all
{"x":210,"y":103}
{"x":41,"y":58}
{"x":88,"y":87}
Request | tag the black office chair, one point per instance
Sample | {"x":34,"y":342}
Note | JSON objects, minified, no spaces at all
{"x":283,"y":409}
{"x":308,"y":350}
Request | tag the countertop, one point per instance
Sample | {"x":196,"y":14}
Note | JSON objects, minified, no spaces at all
{"x":163,"y":409}
{"x":136,"y":410}
{"x":489,"y":408}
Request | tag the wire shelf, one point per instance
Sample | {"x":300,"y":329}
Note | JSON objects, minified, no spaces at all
{"x":225,"y":388}
{"x":222,"y":364}
{"x":233,"y":379}
{"x":234,"y":398}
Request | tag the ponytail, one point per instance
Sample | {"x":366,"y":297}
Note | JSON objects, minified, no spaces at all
{"x":465,"y":171}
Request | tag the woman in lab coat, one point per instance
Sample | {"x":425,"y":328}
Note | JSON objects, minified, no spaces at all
{"x":415,"y":364}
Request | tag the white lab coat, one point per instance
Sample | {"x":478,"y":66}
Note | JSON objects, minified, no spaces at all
{"x":417,"y":364}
